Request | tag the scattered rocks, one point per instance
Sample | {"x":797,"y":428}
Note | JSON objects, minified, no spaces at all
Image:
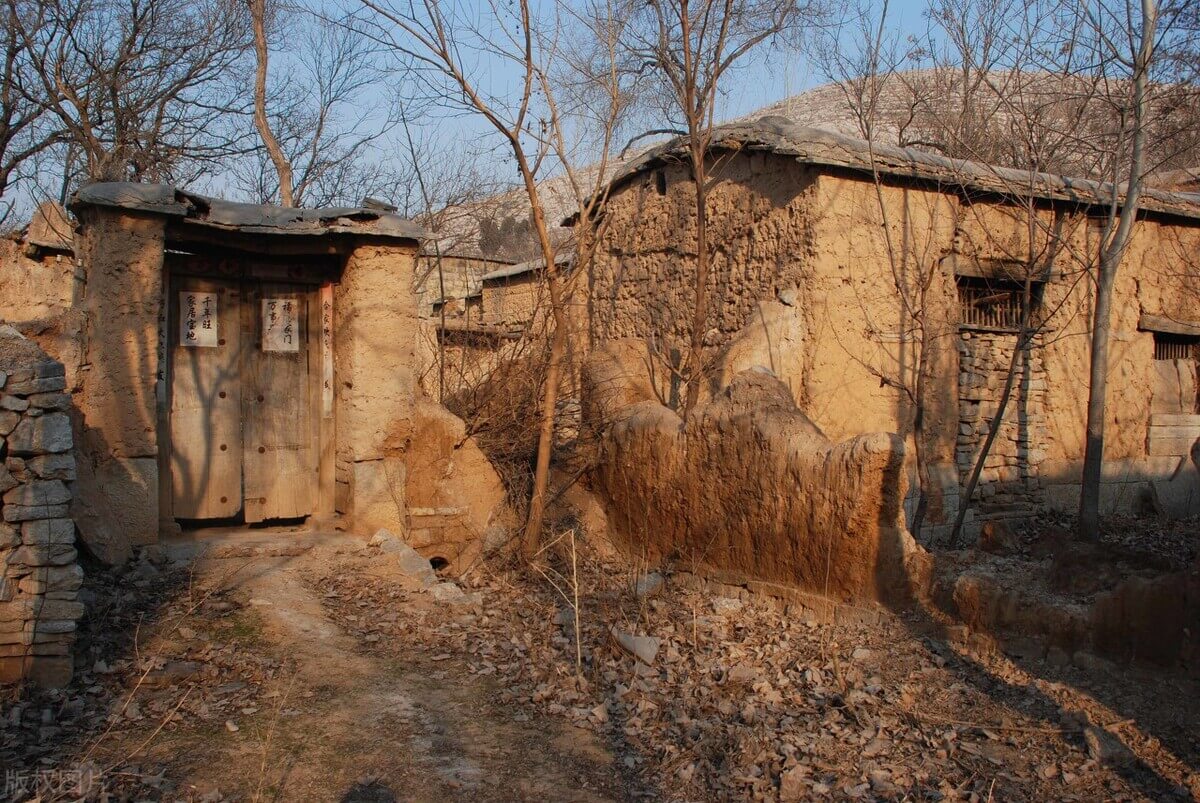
{"x":451,"y":594}
{"x":415,"y":567}
{"x":647,"y":585}
{"x":725,"y":606}
{"x":644,"y":648}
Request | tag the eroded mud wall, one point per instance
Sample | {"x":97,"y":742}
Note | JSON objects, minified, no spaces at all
{"x":403,"y":462}
{"x":867,"y":276}
{"x":750,"y":488}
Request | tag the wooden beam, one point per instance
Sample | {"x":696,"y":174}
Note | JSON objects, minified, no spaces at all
{"x":1170,"y":326}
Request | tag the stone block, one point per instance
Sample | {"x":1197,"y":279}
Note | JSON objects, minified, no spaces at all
{"x":53,"y":644}
{"x":58,"y":615}
{"x":40,"y":492}
{"x":14,"y":513}
{"x":49,"y":555}
{"x":50,"y":672}
{"x":44,"y":532}
{"x":99,"y":529}
{"x":49,"y":384}
{"x":16,"y":611}
{"x":53,"y":466}
{"x":49,"y":434}
{"x":54,"y":629}
{"x":9,"y":536}
{"x":50,"y":401}
{"x":13,"y":403}
{"x":7,"y":480}
{"x":63,"y":579}
{"x":8,"y":421}
{"x":379,"y":494}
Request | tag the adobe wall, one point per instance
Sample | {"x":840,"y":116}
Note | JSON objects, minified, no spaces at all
{"x":122,"y":253}
{"x":718,"y":493}
{"x":376,"y":335}
{"x":807,"y":259}
{"x":33,"y":288}
{"x":40,"y":575}
{"x":460,"y":276}
{"x":511,"y":303}
{"x":402,"y":462}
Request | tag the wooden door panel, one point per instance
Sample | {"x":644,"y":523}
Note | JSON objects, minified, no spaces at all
{"x":206,"y":403}
{"x":278,"y":454}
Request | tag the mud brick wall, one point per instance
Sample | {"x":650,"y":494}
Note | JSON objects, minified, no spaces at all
{"x":39,"y":588}
{"x":1009,"y":486}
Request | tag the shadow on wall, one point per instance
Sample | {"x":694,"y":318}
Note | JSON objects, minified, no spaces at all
{"x":748,"y":488}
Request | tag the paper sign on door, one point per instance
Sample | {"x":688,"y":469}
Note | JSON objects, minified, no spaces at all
{"x":198,"y":319}
{"x":327,"y":350}
{"x":281,"y":328}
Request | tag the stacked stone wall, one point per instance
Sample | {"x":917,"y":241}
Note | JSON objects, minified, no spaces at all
{"x":1009,"y":485}
{"x":39,"y":588}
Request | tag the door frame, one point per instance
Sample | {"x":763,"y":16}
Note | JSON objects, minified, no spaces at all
{"x":252,"y":271}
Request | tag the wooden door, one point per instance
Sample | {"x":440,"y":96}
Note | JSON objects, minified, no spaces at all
{"x":204,"y":334}
{"x":279,"y":458}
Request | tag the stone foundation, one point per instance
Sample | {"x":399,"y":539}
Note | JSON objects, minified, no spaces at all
{"x":1010,"y":485}
{"x":40,"y":584}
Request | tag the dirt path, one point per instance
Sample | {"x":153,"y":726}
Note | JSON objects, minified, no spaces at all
{"x":308,"y":667}
{"x":409,"y":729}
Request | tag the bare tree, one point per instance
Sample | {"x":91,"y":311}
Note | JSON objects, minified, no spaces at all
{"x":689,"y":46}
{"x":1140,"y":33}
{"x":442,"y":49}
{"x":25,"y":131}
{"x":143,"y":90}
{"x":317,"y":123}
{"x":283,"y":165}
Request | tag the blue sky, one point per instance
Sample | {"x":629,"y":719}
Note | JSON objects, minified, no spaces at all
{"x":771,"y":75}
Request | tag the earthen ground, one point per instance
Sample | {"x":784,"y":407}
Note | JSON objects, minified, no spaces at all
{"x":342,"y":685}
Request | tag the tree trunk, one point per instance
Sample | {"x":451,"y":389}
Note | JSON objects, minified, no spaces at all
{"x":283,"y":167}
{"x":558,"y":338}
{"x":1093,"y":455}
{"x":1111,"y":254}
{"x":695,"y":372}
{"x":541,"y":475}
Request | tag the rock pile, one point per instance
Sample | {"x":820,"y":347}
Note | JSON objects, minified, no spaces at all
{"x":41,"y":577}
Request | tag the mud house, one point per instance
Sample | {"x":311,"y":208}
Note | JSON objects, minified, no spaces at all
{"x":883,"y":287}
{"x":240,"y":363}
{"x":451,"y":278}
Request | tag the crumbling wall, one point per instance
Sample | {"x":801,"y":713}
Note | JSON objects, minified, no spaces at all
{"x":403,"y":463}
{"x":454,"y":500}
{"x":835,"y":247}
{"x":33,"y":288}
{"x":749,"y":488}
{"x":41,"y":577}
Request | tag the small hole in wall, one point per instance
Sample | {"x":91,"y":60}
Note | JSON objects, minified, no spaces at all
{"x":439,"y":564}
{"x":660,"y":182}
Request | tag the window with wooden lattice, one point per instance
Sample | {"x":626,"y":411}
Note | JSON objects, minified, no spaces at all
{"x":1176,"y":347}
{"x":990,"y":303}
